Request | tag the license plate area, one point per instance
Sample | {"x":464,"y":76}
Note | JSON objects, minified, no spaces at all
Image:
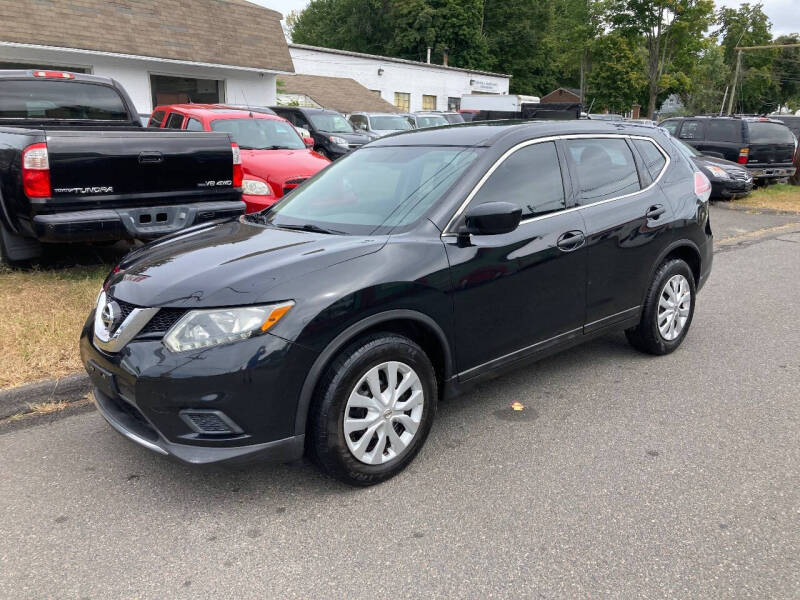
{"x":103,"y":379}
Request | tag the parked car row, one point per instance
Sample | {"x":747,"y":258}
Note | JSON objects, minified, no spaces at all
{"x":275,"y":159}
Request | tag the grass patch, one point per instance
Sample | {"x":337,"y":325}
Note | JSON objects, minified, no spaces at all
{"x":781,"y":197}
{"x":43,"y":314}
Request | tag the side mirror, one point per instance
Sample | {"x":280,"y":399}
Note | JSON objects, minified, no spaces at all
{"x":493,"y":218}
{"x":309,"y":142}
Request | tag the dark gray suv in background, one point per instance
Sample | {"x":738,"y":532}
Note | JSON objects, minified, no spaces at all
{"x":765,"y":146}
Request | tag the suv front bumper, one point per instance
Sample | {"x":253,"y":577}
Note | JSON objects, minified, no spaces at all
{"x":145,"y":392}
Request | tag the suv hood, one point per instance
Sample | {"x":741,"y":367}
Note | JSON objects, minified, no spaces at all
{"x":230,"y":264}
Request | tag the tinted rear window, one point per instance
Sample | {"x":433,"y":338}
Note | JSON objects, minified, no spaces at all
{"x":605,"y":168}
{"x":762,"y":132}
{"x":692,"y":130}
{"x":653,"y":159}
{"x":43,"y":99}
{"x":724,"y":130}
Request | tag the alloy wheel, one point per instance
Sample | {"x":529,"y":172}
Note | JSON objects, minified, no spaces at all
{"x":383,"y":413}
{"x":674,"y":305}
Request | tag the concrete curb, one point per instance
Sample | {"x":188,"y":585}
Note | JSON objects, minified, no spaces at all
{"x":64,"y":389}
{"x":749,"y":209}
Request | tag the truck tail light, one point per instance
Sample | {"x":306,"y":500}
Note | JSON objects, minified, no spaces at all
{"x":744,"y":154}
{"x":54,"y":74}
{"x":702,"y":186}
{"x":238,"y":173}
{"x":36,"y":171}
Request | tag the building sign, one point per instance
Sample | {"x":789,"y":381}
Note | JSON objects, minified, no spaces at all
{"x":484,"y":85}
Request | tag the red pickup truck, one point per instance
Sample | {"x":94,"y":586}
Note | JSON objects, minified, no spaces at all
{"x":275,"y":159}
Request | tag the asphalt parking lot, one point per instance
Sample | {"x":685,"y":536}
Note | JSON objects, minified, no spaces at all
{"x":624,"y":476}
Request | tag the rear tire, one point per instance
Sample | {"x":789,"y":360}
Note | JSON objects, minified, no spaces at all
{"x":668,"y":311}
{"x":386,"y":382}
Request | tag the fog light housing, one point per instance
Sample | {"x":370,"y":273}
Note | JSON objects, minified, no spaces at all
{"x":209,"y":422}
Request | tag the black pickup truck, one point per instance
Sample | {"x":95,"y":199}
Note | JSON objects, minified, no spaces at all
{"x":77,"y":166}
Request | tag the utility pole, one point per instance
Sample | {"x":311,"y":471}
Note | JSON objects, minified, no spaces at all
{"x":724,"y":97}
{"x":739,"y":65}
{"x":735,"y":80}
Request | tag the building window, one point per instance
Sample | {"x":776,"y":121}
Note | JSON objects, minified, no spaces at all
{"x":428,"y":102}
{"x":402,"y":101}
{"x":182,"y":90}
{"x":376,"y":92}
{"x":454,"y":103}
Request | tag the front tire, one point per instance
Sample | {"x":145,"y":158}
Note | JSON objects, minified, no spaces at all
{"x":373,"y":409}
{"x":668,"y":310}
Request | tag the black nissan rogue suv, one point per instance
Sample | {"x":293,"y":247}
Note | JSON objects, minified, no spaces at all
{"x":765,"y":146}
{"x":407,"y":271}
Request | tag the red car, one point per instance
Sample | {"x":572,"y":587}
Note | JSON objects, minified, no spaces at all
{"x":275,"y":159}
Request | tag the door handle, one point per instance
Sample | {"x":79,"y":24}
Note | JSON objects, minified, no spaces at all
{"x":655,"y":211}
{"x":571,"y":240}
{"x":150,"y":158}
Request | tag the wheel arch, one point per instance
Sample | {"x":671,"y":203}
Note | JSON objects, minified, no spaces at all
{"x":413,"y":324}
{"x":685,"y":250}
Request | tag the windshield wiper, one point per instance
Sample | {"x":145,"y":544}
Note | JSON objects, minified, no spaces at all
{"x":311,"y":228}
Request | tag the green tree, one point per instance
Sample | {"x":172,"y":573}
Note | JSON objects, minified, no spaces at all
{"x":708,"y":81}
{"x":786,"y":71}
{"x":519,"y":40}
{"x":748,"y":25}
{"x":453,"y":26}
{"x":617,"y":76}
{"x":356,"y":25}
{"x":672,"y":31}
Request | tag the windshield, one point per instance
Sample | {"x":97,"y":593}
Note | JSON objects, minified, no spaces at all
{"x":373,"y":190}
{"x":762,"y":132}
{"x":260,"y":134}
{"x":431,"y":121}
{"x":331,"y":122}
{"x":686,"y":148}
{"x":397,"y":123}
{"x":63,"y":100}
{"x":454,"y":118}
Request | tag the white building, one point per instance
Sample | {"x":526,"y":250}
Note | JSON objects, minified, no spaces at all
{"x":407,"y":84}
{"x":163,"y":51}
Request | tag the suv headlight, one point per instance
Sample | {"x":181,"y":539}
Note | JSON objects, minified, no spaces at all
{"x":717,"y":172}
{"x":253,"y":187}
{"x":338,"y":141}
{"x":204,"y":328}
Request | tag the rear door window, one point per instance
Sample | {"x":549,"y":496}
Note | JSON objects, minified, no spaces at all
{"x":605,"y":168}
{"x":654,"y":161}
{"x":671,"y":126}
{"x":174,"y":121}
{"x":691,"y":130}
{"x":530,"y":178}
{"x":764,"y":132}
{"x":724,"y":130}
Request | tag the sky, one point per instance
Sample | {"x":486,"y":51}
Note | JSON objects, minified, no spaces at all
{"x":784,"y":14}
